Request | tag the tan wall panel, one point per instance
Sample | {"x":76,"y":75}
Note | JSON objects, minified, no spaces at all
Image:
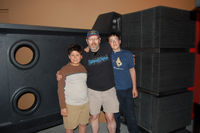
{"x":4,"y":16}
{"x":78,"y":13}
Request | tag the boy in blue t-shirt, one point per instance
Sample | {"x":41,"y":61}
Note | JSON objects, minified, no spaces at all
{"x":125,"y":82}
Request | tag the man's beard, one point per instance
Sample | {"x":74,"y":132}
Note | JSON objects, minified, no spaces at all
{"x":94,"y":49}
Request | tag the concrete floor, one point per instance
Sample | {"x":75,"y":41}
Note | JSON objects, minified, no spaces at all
{"x":102,"y":129}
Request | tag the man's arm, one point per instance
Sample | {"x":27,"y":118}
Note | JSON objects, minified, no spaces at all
{"x":133,"y":78}
{"x":87,"y":49}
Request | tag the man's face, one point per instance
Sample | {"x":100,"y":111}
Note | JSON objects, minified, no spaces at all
{"x":93,"y":42}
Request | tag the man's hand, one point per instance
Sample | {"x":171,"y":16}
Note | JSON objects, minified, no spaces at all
{"x":64,"y":112}
{"x":87,"y":49}
{"x":135,"y":93}
{"x":58,"y":76}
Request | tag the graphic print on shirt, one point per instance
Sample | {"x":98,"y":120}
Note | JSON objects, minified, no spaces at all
{"x":118,"y":62}
{"x":98,"y":60}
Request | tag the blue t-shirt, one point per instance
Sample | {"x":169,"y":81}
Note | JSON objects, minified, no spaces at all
{"x":122,"y":61}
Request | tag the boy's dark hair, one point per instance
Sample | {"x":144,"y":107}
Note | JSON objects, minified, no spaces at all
{"x":75,"y":47}
{"x":114,"y":34}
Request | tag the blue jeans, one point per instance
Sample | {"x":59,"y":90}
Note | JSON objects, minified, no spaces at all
{"x":126,"y":108}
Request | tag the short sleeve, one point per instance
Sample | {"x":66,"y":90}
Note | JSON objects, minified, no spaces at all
{"x":130,"y":60}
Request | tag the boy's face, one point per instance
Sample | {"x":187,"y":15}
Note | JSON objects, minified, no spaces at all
{"x":114,"y":43}
{"x":75,"y":57}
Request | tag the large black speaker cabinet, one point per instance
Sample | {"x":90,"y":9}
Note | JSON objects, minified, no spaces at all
{"x":163,"y":114}
{"x":108,"y":22}
{"x":161,"y":73}
{"x":197,"y":3}
{"x":183,"y":130}
{"x":158,"y":27}
{"x":30,"y":57}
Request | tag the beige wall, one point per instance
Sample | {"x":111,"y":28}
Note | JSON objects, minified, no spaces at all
{"x":76,"y":13}
{"x":4,"y":15}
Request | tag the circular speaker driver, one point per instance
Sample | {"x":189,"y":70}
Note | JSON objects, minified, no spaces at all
{"x":24,"y":54}
{"x":26,"y":100}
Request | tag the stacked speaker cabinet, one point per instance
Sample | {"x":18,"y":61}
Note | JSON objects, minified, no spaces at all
{"x":161,"y":73}
{"x":30,"y":57}
{"x":161,"y":38}
{"x":164,"y":114}
{"x":108,"y":22}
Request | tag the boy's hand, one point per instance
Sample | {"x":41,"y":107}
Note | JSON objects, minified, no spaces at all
{"x":58,"y":76}
{"x":135,"y":93}
{"x":87,"y":49}
{"x":64,"y":112}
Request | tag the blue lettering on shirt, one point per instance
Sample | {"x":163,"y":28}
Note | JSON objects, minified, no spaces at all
{"x":98,"y":60}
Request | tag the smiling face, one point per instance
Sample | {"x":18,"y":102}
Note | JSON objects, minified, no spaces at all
{"x":114,"y":42}
{"x":75,"y":58}
{"x":93,"y":42}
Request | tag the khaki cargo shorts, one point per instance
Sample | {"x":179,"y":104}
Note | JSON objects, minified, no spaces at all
{"x":107,"y":99}
{"x":77,"y":114}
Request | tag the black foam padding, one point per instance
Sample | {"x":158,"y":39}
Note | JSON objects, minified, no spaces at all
{"x":49,"y":46}
{"x":165,"y":72}
{"x":158,"y":27}
{"x":164,"y":114}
